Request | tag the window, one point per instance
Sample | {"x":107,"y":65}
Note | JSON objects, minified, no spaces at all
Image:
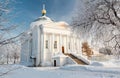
{"x":47,"y":44}
{"x":55,"y":45}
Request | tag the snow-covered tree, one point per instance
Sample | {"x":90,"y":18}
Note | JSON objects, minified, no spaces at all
{"x":6,"y":27}
{"x":9,"y":44}
{"x":98,"y":22}
{"x":10,"y":53}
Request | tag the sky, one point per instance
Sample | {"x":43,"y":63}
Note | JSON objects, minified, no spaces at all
{"x":26,"y":11}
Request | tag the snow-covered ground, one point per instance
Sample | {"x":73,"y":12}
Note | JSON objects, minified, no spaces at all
{"x":95,"y":70}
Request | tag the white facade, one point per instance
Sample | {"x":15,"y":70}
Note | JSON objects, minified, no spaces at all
{"x":47,"y":39}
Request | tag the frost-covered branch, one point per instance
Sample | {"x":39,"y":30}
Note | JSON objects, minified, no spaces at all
{"x":98,"y":22}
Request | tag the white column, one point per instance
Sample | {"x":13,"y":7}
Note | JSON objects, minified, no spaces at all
{"x":77,"y":45}
{"x":53,"y":44}
{"x":42,"y":49}
{"x":28,"y":53}
{"x":67,"y":44}
{"x":60,"y":43}
{"x":71,"y":44}
{"x":50,"y":43}
{"x":80,"y":47}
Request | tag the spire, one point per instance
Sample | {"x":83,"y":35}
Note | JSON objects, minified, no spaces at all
{"x":43,"y":11}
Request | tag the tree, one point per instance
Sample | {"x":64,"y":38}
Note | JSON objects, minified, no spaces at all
{"x":7,"y":42}
{"x":5,"y":26}
{"x":86,"y":50}
{"x":9,"y":53}
{"x":105,"y":51}
{"x":100,"y":23}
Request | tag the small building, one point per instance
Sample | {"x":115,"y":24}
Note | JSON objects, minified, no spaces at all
{"x":47,"y":43}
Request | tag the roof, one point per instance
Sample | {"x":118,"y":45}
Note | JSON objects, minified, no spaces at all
{"x":47,"y":22}
{"x":43,"y":18}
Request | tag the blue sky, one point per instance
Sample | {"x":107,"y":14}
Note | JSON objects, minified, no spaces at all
{"x":26,"y":11}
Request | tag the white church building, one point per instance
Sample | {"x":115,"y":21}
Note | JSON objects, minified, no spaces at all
{"x":50,"y":43}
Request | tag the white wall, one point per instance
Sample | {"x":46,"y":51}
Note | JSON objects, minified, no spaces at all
{"x":47,"y":51}
{"x":25,"y":53}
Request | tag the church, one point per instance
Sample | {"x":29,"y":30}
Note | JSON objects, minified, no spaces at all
{"x":50,"y":43}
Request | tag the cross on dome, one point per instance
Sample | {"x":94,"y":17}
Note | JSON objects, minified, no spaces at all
{"x":44,"y":10}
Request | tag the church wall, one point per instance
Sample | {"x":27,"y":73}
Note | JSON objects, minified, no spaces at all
{"x":56,"y":40}
{"x":30,"y":50}
{"x":77,"y":45}
{"x":72,"y":44}
{"x":56,"y":31}
{"x":68,"y":44}
{"x":37,"y":48}
{"x":34,"y":36}
{"x":47,"y":49}
{"x":25,"y":53}
{"x":64,"y":43}
{"x":52,"y":49}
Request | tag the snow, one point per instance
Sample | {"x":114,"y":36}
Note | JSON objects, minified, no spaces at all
{"x":110,"y":63}
{"x":69,"y":71}
{"x":96,"y":64}
{"x":59,"y":55}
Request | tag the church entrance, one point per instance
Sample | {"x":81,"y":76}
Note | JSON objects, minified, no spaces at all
{"x":63,"y":50}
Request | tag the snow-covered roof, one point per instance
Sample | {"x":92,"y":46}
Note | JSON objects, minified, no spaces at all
{"x":43,"y":19}
{"x":47,"y":22}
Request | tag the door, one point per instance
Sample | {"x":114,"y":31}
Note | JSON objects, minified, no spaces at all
{"x":63,"y":49}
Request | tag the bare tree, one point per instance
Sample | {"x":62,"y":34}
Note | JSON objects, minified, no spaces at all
{"x":100,"y":21}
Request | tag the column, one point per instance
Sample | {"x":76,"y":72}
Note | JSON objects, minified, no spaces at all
{"x":73,"y":41}
{"x":77,"y":47}
{"x":70,"y":44}
{"x":60,"y":43}
{"x":53,"y":53}
{"x":28,"y":53}
{"x":80,"y":47}
{"x":67,"y":44}
{"x":42,"y":49}
{"x":50,"y":43}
